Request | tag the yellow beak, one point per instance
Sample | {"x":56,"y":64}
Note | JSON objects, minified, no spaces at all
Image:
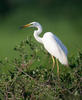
{"x":27,"y":25}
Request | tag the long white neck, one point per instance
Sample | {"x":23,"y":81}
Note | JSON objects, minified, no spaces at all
{"x":36,"y":34}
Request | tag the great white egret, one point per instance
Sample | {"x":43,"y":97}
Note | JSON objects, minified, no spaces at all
{"x":51,"y":43}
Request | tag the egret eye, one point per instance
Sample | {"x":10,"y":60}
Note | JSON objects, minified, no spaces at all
{"x":31,"y":24}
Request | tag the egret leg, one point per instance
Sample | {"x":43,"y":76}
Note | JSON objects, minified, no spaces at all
{"x":57,"y":68}
{"x":53,"y":62}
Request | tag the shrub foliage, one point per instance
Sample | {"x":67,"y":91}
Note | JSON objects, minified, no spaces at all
{"x":31,"y":78}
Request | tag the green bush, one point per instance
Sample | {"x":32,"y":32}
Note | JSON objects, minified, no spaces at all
{"x":32,"y":79}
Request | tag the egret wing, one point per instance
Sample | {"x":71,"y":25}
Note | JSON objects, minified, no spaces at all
{"x":55,"y":47}
{"x":61,"y":44}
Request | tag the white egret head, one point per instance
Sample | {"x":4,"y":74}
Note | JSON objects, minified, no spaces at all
{"x":32,"y":24}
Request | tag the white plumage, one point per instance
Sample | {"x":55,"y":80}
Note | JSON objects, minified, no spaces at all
{"x":51,"y":43}
{"x":55,"y":47}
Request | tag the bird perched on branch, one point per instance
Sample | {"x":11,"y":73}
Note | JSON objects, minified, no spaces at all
{"x":51,"y":43}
